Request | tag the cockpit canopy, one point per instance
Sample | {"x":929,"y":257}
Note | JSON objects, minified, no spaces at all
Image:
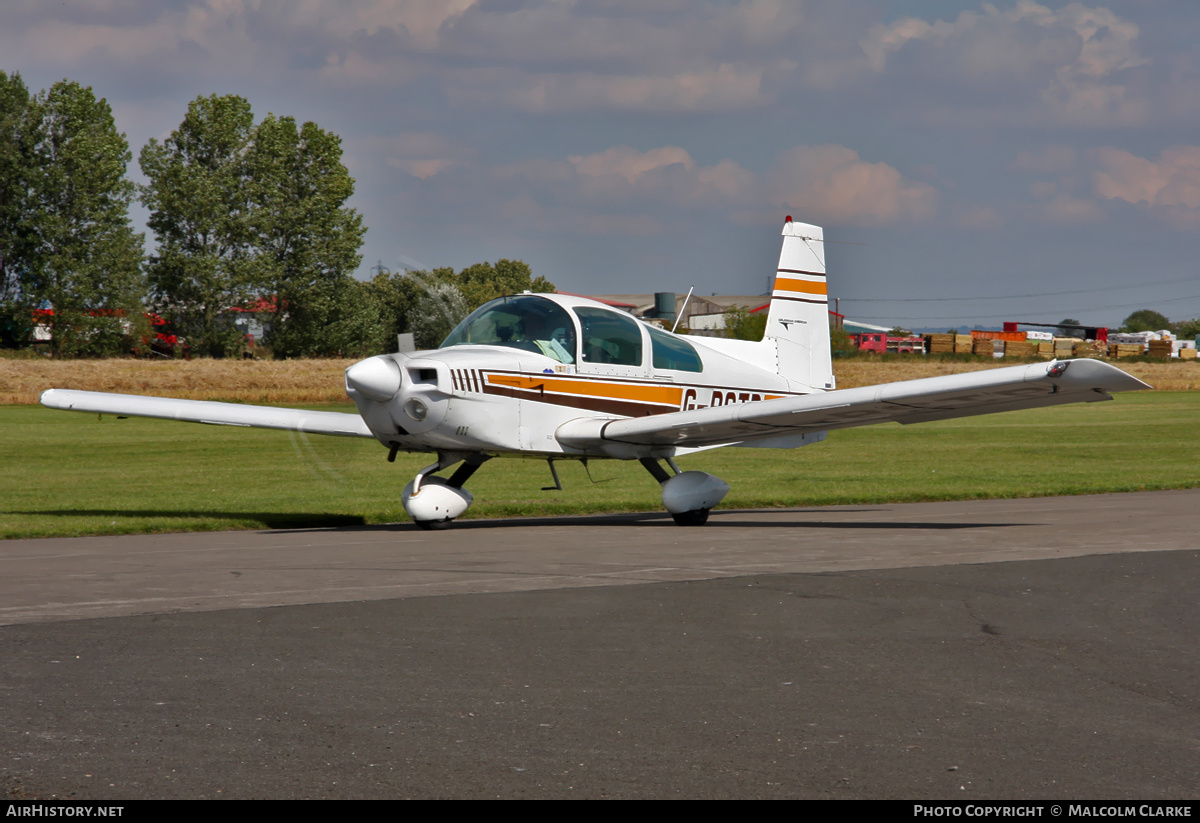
{"x":525,"y":322}
{"x":605,"y":337}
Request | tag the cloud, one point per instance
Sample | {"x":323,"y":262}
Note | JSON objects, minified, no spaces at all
{"x":1072,"y":61}
{"x":837,"y":186}
{"x":1169,"y":186}
{"x":351,"y":41}
{"x":419,"y":154}
{"x":829,"y":184}
{"x":723,"y":88}
{"x":1049,"y":160}
{"x":629,"y":163}
{"x":1067,"y":209}
{"x":979,"y":217}
{"x":628,"y":179}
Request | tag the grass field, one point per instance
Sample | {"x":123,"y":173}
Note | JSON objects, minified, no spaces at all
{"x":74,"y":474}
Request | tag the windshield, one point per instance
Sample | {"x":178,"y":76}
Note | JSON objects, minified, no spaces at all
{"x":523,"y":322}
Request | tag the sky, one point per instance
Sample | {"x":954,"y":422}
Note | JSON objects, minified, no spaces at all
{"x":971,"y":163}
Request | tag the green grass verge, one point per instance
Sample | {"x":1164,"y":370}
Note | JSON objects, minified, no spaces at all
{"x":70,"y":474}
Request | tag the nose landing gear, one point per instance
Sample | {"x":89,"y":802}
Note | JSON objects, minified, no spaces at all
{"x":433,"y":502}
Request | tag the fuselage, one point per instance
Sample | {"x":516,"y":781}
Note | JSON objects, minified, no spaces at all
{"x":519,"y":367}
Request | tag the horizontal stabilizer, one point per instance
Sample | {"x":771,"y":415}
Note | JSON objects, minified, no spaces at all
{"x":205,"y":411}
{"x":910,"y":401}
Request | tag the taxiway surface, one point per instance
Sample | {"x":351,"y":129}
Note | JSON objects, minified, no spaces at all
{"x":1037,"y":648}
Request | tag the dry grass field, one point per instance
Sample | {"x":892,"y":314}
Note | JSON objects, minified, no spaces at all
{"x":1174,"y":375}
{"x":316,"y":382}
{"x":280,"y":382}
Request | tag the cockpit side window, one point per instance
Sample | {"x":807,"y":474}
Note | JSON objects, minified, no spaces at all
{"x":523,"y":322}
{"x":609,"y":337}
{"x":671,"y":352}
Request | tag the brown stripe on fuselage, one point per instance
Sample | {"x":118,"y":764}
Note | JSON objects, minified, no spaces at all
{"x":603,"y":395}
{"x":606,"y":405}
{"x":647,"y":393}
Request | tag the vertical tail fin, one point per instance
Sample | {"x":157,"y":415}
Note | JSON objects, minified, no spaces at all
{"x":798,"y":320}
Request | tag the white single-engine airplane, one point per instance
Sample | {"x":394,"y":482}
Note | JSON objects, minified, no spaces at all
{"x":558,"y":377}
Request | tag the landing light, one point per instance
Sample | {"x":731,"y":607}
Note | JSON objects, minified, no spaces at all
{"x":415,"y":409}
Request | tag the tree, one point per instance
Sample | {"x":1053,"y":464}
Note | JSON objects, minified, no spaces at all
{"x":395,"y":294}
{"x":1145,"y":320}
{"x":432,"y":303}
{"x":198,"y":197}
{"x":307,"y":240}
{"x":483,"y":281}
{"x":1185,"y":329}
{"x":79,"y":253}
{"x":840,"y":341}
{"x":242,"y":211}
{"x":14,"y":107}
{"x":743,"y":324}
{"x":1069,"y":327}
{"x":438,"y":308}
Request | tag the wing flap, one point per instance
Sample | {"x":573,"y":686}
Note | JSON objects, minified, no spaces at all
{"x":911,"y":401}
{"x":207,"y":411}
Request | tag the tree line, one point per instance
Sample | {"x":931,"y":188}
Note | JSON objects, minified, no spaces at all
{"x":244,"y":214}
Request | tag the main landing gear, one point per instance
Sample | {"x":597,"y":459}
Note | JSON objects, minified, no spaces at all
{"x":688,"y":496}
{"x":433,"y":502}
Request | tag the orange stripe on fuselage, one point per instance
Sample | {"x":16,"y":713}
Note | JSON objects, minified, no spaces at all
{"x":664,"y":395}
{"x":803,"y":286}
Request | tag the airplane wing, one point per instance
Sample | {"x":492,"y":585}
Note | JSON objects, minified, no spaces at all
{"x":205,"y":411}
{"x":910,"y":401}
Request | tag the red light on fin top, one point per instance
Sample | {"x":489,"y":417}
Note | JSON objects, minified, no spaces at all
{"x":787,"y":219}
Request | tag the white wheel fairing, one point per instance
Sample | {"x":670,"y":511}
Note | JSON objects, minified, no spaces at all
{"x":690,"y":491}
{"x":435,"y":500}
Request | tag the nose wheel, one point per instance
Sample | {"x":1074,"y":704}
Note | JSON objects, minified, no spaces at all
{"x":695,"y":517}
{"x":434,"y":502}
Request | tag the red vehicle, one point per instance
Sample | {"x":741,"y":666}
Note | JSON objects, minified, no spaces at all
{"x":883,"y":343}
{"x":163,"y":343}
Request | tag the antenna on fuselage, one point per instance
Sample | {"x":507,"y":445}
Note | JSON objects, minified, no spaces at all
{"x":679,"y":316}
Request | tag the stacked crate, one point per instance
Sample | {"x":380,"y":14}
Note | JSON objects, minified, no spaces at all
{"x":962,"y":343}
{"x":1119,"y":350}
{"x":939,"y":343}
{"x":1019,"y":348}
{"x":1187,"y":354}
{"x":1064,"y":348}
{"x":1159,"y":348}
{"x":983,"y":346}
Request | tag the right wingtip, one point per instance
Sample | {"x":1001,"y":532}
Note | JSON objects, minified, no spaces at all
{"x":1105,"y":375}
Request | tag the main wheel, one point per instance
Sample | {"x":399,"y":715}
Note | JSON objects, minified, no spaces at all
{"x":434,"y":525}
{"x":696,"y":517}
